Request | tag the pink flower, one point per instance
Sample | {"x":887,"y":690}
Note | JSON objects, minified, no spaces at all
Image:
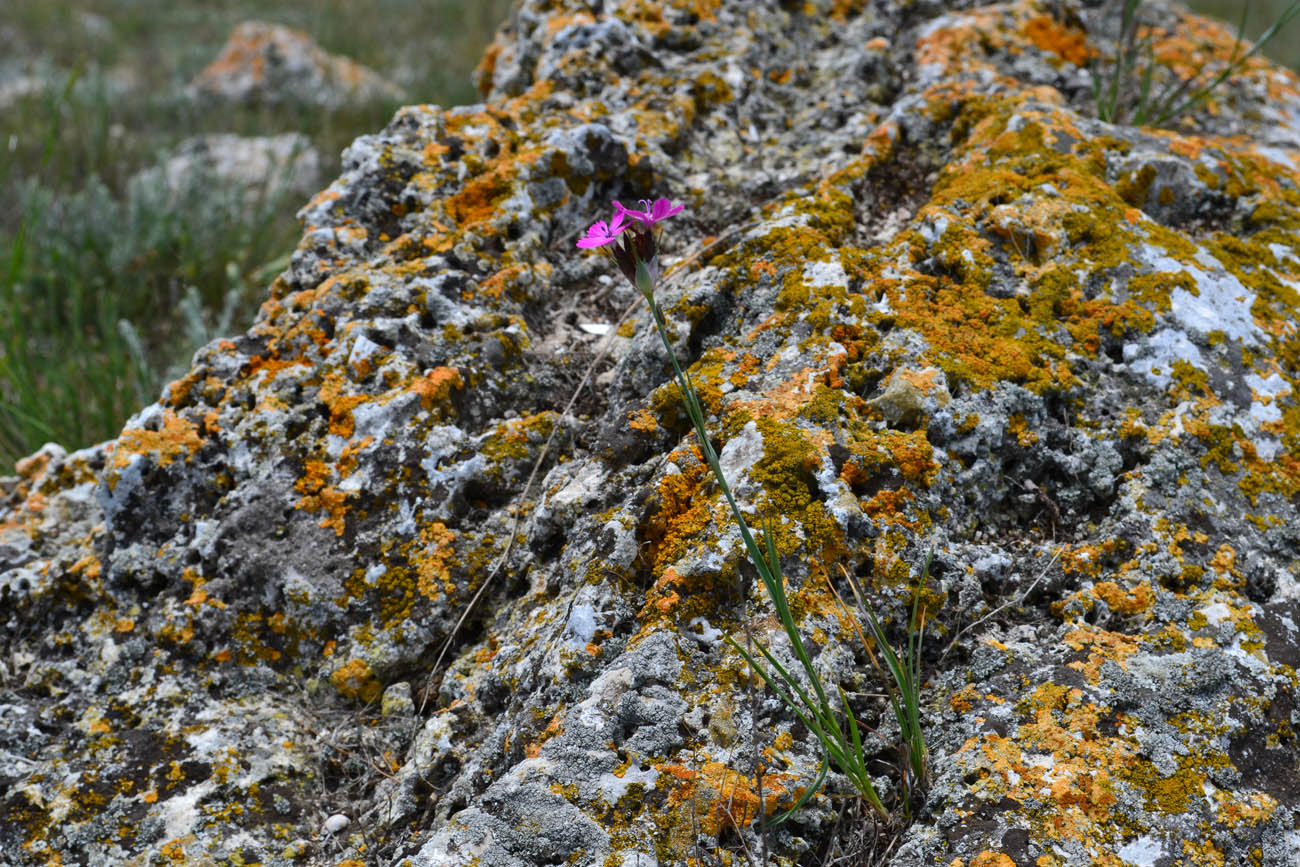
{"x":602,"y":233}
{"x":662,"y":209}
{"x":634,"y":250}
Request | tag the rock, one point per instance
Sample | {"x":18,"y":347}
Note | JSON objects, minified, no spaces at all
{"x":397,"y":700}
{"x":911,"y":394}
{"x":257,"y":167}
{"x":269,"y":64}
{"x":932,"y":306}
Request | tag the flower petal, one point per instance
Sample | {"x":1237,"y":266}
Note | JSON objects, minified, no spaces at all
{"x":598,"y":235}
{"x":663,"y":209}
{"x":624,"y":211}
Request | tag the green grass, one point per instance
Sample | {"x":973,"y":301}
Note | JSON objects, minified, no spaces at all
{"x":902,"y":678}
{"x":107,"y":285}
{"x":1133,"y":87}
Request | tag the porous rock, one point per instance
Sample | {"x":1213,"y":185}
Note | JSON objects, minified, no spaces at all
{"x":931,"y":304}
{"x":269,"y":64}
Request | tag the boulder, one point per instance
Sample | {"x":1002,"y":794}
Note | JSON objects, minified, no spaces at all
{"x":932,"y":304}
{"x":270,"y":64}
{"x":257,"y":166}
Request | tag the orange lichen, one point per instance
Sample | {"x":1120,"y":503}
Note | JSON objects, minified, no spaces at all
{"x":501,"y":282}
{"x":719,"y":798}
{"x":433,"y":563}
{"x":1079,"y":778}
{"x":88,"y":567}
{"x":319,"y":496}
{"x":480,"y":200}
{"x":682,"y":513}
{"x":174,"y":850}
{"x":642,"y":420}
{"x":340,"y":405}
{"x":889,"y":504}
{"x":1103,"y":646}
{"x":436,"y":386}
{"x":1019,"y":428}
{"x":33,"y":467}
{"x":1121,"y":601}
{"x":1224,"y":560}
{"x":1068,"y":44}
{"x":960,"y":701}
{"x":176,"y":437}
{"x":315,"y":475}
{"x":926,"y":380}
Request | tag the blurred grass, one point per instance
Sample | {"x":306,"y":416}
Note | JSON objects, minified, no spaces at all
{"x":1133,"y":87}
{"x":109,"y":282}
{"x":1284,"y":49}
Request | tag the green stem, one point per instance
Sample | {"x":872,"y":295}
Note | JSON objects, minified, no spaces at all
{"x":692,"y":402}
{"x":845,"y":751}
{"x":768,"y":566}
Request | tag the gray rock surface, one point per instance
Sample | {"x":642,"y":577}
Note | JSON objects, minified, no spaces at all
{"x":931,"y":303}
{"x":257,"y":169}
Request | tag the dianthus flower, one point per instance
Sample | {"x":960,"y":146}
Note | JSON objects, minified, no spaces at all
{"x":662,"y":209}
{"x":633,"y":241}
{"x":601,"y":233}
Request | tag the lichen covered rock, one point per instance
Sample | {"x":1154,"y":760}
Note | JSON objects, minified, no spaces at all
{"x":270,"y":64}
{"x":931,"y":304}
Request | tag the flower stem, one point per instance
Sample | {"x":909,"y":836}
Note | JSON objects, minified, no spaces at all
{"x":691,"y":400}
{"x":844,"y":751}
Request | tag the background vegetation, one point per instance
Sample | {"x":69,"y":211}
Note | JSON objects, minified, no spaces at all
{"x":108,"y":285}
{"x":1260,"y":14}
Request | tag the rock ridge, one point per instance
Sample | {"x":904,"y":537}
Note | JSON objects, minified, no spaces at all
{"x":931,"y":303}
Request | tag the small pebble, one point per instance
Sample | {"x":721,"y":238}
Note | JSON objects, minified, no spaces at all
{"x":397,"y":700}
{"x":336,"y":823}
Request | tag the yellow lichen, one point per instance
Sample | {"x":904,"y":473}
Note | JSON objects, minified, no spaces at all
{"x":354,"y":679}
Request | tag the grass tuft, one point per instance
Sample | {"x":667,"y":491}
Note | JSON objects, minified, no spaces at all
{"x":903,"y":680}
{"x":1125,"y":91}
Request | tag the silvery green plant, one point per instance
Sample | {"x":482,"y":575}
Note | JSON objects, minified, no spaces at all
{"x":631,"y":238}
